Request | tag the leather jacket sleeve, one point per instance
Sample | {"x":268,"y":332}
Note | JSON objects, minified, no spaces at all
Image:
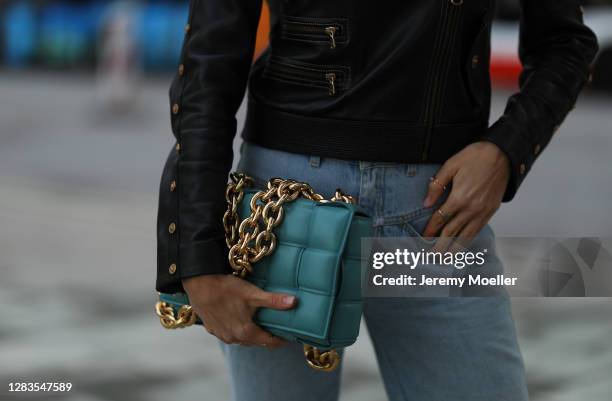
{"x":204,"y":97}
{"x":555,"y":49}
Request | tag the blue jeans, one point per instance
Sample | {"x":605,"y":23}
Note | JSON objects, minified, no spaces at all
{"x":455,"y":349}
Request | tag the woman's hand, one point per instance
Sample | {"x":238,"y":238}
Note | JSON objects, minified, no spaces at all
{"x":226,"y":305}
{"x":479,"y":175}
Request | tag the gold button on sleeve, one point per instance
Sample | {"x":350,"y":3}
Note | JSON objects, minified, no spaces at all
{"x":175,"y":108}
{"x":172,"y":268}
{"x":177,"y":147}
{"x":172,"y":228}
{"x":537,"y":149}
{"x":181,"y":70}
{"x":522,"y":169}
{"x":173,"y":186}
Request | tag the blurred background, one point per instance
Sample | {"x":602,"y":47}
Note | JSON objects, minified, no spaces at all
{"x":84,"y":132}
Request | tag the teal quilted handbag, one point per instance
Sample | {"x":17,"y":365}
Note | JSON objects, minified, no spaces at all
{"x":293,"y":241}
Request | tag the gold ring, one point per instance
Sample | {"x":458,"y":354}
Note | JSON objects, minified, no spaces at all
{"x":434,"y":180}
{"x":445,"y":216}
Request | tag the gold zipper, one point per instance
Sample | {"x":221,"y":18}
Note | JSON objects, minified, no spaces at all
{"x":331,"y":77}
{"x":331,"y":32}
{"x":331,"y":80}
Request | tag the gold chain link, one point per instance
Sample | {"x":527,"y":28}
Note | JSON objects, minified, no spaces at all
{"x":251,"y":239}
{"x":325,"y":361}
{"x":184,"y":317}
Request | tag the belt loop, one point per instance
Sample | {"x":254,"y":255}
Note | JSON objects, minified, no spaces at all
{"x":363,"y":165}
{"x":411,"y":170}
{"x":315,"y":161}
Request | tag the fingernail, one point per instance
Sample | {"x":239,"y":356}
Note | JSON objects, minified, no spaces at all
{"x":427,"y":202}
{"x":288,"y":300}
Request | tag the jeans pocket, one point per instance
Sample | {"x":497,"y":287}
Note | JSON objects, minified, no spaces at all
{"x":415,"y":227}
{"x":408,"y":225}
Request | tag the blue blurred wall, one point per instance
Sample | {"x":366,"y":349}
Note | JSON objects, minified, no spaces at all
{"x":66,"y":34}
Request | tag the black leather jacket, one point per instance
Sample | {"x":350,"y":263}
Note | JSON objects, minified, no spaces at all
{"x":402,"y":81}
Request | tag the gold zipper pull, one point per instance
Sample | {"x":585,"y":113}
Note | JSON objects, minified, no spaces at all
{"x":331,"y":80}
{"x":331,"y":31}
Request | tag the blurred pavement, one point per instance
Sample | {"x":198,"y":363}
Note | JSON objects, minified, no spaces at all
{"x":78,"y":194}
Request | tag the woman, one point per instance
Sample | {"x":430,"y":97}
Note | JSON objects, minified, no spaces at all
{"x":390,"y":102}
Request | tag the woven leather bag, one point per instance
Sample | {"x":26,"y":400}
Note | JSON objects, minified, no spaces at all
{"x":316,"y":256}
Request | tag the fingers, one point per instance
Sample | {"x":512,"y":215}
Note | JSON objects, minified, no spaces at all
{"x":248,"y":334}
{"x":441,"y":217}
{"x":450,"y":231}
{"x":255,"y":335}
{"x":439,"y":183}
{"x":263,"y":299}
{"x":229,"y":313}
{"x":467,"y":235}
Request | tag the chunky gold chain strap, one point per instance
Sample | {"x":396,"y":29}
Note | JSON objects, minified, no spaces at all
{"x":251,"y":239}
{"x":325,"y":361}
{"x":184,"y":317}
